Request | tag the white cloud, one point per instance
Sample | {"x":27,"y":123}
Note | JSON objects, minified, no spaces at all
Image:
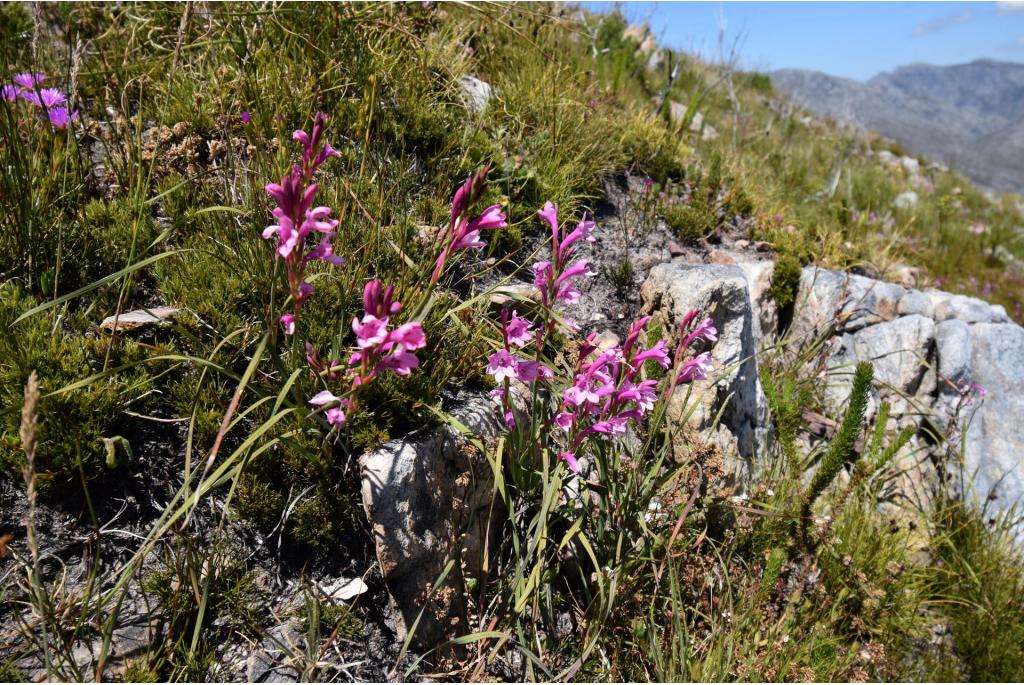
{"x":946,"y":21}
{"x":1010,"y":7}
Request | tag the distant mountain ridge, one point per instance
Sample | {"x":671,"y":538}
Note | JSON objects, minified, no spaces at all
{"x":969,"y":116}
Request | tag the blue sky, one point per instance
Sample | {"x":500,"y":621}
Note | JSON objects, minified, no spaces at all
{"x":853,"y":39}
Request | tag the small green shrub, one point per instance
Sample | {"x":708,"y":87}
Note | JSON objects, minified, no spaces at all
{"x":785,"y":280}
{"x":690,"y":221}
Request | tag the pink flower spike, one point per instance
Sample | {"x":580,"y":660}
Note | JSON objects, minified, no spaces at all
{"x":518,"y":331}
{"x":370,"y":331}
{"x":302,"y":137}
{"x":460,"y":201}
{"x":288,"y":323}
{"x":570,"y":460}
{"x":502,"y":366}
{"x":335,"y":416}
{"x":550,"y":215}
{"x":409,"y":335}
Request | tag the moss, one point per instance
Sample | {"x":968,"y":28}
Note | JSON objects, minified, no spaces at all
{"x":71,"y":423}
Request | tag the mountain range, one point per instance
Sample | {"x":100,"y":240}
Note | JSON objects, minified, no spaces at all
{"x":968,"y":116}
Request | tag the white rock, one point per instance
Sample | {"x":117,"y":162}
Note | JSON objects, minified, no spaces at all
{"x":475,"y":93}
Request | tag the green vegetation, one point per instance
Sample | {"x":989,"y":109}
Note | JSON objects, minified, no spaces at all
{"x":155,"y":196}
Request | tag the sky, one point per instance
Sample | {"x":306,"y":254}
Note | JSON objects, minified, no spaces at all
{"x":852,"y":39}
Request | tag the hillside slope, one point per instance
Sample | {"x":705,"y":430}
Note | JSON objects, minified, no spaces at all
{"x":967,"y":116}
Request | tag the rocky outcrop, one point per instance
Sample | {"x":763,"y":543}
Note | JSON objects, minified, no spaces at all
{"x":428,"y":500}
{"x":723,"y":291}
{"x":949,"y":366}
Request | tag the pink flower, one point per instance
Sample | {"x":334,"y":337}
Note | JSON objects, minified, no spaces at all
{"x":706,"y":330}
{"x":468,"y":240}
{"x":409,"y":335}
{"x":564,"y":420}
{"x":335,"y":415}
{"x":9,"y":92}
{"x":528,"y":371}
{"x":581,"y":232}
{"x":323,"y":397}
{"x":695,"y":369}
{"x":379,"y":301}
{"x":46,"y":98}
{"x":502,"y":366}
{"x":977,"y":228}
{"x":400,"y":362}
{"x":570,"y":460}
{"x":550,"y":214}
{"x":489,"y":219}
{"x":616,"y":425}
{"x":288,"y":323}
{"x":658,"y":353}
{"x":246,"y":118}
{"x":60,"y":118}
{"x":517,"y":332}
{"x":370,"y":331}
{"x":28,"y":81}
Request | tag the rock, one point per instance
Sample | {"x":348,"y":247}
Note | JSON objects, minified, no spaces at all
{"x":910,"y":165}
{"x":953,"y":352}
{"x":427,"y":500}
{"x":676,"y":111}
{"x":139,"y":318}
{"x":759,"y":282}
{"x":905,"y":200}
{"x":995,"y":436}
{"x":916,"y":302}
{"x":696,"y":123}
{"x":649,"y":46}
{"x":512,"y":294}
{"x":722,"y":293}
{"x":636,"y":32}
{"x":830,"y":298}
{"x":344,"y":589}
{"x":898,"y":350}
{"x":886,"y":156}
{"x":656,"y":61}
{"x":475,"y":93}
{"x":964,"y":308}
{"x":606,"y":340}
